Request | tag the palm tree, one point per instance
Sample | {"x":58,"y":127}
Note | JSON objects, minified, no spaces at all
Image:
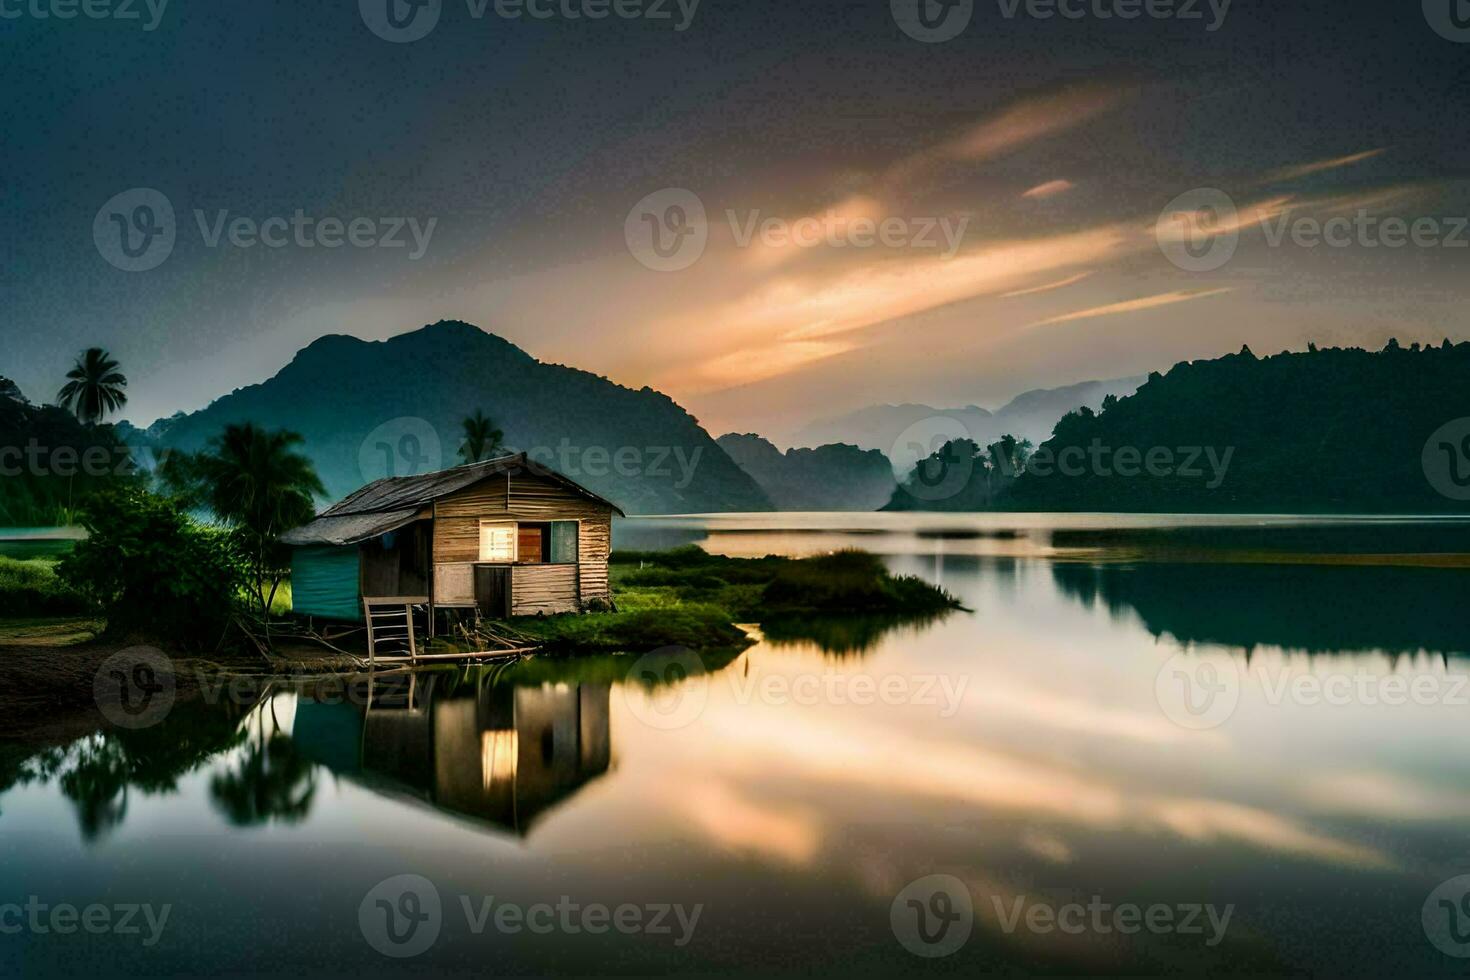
{"x":94,"y":386}
{"x":481,"y":438}
{"x":257,"y":482}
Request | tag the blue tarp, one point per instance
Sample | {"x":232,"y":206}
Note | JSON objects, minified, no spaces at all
{"x":324,"y":582}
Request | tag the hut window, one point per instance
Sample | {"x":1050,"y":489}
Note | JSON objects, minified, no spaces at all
{"x":564,"y":542}
{"x":531,"y":544}
{"x":497,"y":541}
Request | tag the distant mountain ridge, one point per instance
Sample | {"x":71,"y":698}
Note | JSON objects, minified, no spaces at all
{"x":908,"y":432}
{"x":1332,"y":431}
{"x":832,"y":477}
{"x":370,"y":409}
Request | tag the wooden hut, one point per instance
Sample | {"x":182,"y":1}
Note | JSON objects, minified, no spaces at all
{"x":506,"y":537}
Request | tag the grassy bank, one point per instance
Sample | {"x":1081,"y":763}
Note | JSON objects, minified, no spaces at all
{"x":31,"y":588}
{"x":689,"y":598}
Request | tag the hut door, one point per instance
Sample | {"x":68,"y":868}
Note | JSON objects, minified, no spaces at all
{"x":492,"y":590}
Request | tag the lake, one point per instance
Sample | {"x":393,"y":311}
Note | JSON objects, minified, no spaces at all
{"x":1149,"y":744}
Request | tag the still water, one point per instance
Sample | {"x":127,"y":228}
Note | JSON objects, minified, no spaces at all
{"x":1148,"y":745}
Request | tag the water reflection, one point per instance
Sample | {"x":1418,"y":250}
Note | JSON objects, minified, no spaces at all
{"x":499,"y":753}
{"x":1311,"y":608}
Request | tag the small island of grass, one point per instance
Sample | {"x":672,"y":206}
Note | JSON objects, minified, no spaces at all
{"x":688,"y":597}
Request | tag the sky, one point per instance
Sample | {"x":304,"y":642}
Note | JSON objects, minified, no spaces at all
{"x":774,"y":212}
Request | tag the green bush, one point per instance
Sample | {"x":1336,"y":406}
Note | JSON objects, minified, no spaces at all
{"x":155,"y":571}
{"x":32,"y":588}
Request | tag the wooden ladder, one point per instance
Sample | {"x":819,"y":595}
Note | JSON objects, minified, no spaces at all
{"x":390,"y":622}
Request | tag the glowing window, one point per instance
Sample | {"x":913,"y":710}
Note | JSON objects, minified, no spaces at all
{"x":497,"y":542}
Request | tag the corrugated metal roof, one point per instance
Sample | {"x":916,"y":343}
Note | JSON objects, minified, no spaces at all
{"x":348,"y":528}
{"x":416,"y":491}
{"x":387,"y":501}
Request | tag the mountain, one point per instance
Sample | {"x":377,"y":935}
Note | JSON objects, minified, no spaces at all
{"x":833,"y":477}
{"x":1322,"y":431}
{"x":394,"y":407}
{"x":907,"y":433}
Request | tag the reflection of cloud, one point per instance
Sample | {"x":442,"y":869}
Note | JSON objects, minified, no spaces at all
{"x":1206,"y":820}
{"x":1072,"y":714}
{"x":738,"y":824}
{"x":831,"y":750}
{"x":1381,"y":795}
{"x":1134,"y":305}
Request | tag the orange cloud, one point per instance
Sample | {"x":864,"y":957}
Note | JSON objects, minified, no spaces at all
{"x":1133,"y":305}
{"x":1049,"y":189}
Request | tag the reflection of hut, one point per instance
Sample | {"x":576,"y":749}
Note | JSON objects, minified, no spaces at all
{"x":500,"y":753}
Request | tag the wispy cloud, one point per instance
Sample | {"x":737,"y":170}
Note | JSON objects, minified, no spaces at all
{"x":1316,"y":167}
{"x":1134,"y":305}
{"x":1047,"y":286}
{"x":1049,"y":189}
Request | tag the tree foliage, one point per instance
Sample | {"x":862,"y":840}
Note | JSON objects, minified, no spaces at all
{"x":94,"y":387}
{"x":258,"y":483}
{"x":154,"y":571}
